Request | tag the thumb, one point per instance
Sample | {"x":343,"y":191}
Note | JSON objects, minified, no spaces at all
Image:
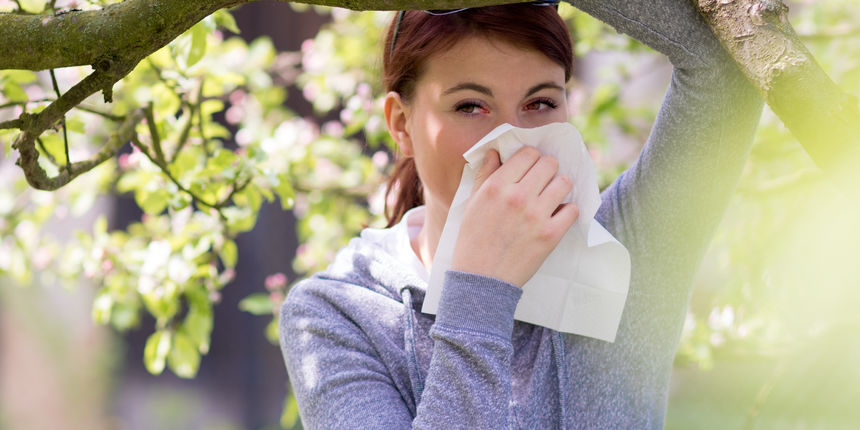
{"x":492,"y":161}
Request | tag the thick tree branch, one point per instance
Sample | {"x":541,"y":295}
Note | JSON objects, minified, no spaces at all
{"x":757,"y":34}
{"x":137,"y":28}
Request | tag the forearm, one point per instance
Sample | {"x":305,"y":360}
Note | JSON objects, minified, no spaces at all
{"x":468,"y":383}
{"x":667,"y":204}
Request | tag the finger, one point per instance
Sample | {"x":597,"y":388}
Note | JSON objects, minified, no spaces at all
{"x":564,"y":217}
{"x":492,"y":161}
{"x":554,"y":193}
{"x":519,"y":164}
{"x":540,"y":174}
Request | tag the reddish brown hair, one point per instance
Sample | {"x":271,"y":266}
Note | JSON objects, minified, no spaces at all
{"x":421,"y":35}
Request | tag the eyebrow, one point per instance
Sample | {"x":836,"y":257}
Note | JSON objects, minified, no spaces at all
{"x":468,"y":86}
{"x":542,"y":86}
{"x":484,"y":90}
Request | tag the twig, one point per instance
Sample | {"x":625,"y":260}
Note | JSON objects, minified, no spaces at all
{"x":107,"y":72}
{"x":200,"y":128}
{"x":116,"y":140}
{"x":194,"y":107}
{"x":156,"y":139}
{"x":47,"y":153}
{"x":12,"y":123}
{"x":63,"y":120}
{"x":186,"y":130}
{"x":170,"y":176}
{"x":233,"y":192}
{"x":24,"y":104}
{"x":159,"y":75}
{"x":762,"y":395}
{"x":105,"y":115}
{"x":112,"y":117}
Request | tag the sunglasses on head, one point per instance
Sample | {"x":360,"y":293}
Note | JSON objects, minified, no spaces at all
{"x":441,"y":12}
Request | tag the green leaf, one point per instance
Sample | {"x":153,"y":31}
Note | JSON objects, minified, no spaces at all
{"x":240,"y":219}
{"x":198,"y":44}
{"x":250,"y":196}
{"x":209,"y":107}
{"x":229,"y":253}
{"x":225,"y":19}
{"x":198,"y":322}
{"x":257,"y":304}
{"x":162,"y":302}
{"x":165,"y":101}
{"x":32,"y":6}
{"x":13,"y":92}
{"x":186,"y":161}
{"x":75,"y":125}
{"x":125,"y":316}
{"x":154,"y":201}
{"x":102,"y":307}
{"x":156,"y":350}
{"x":285,"y":191}
{"x":53,"y":143}
{"x":272,"y":333}
{"x":290,"y":416}
{"x":184,"y":358}
{"x":19,"y":76}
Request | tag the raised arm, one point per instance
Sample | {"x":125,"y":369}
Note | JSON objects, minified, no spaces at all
{"x":665,"y":206}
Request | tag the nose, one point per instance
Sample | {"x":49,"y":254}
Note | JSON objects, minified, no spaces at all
{"x":511,"y":118}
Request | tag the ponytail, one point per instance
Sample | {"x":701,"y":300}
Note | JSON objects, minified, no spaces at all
{"x":405,"y":183}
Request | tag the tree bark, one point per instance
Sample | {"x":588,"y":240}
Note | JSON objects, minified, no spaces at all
{"x":136,"y":28}
{"x":114,"y":39}
{"x":757,"y":34}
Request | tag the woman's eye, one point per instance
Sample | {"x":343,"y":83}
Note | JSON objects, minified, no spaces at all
{"x":541,"y":104}
{"x":470,"y":108}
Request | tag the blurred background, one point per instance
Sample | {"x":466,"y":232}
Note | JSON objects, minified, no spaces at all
{"x":292,"y":94}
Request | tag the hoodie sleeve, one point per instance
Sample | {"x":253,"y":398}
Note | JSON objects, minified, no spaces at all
{"x":665,"y":207}
{"x":468,"y":384}
{"x":342,"y":379}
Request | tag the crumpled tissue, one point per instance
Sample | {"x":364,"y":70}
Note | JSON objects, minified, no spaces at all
{"x":582,"y":286}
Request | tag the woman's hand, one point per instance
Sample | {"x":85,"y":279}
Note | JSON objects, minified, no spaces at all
{"x":514,"y":217}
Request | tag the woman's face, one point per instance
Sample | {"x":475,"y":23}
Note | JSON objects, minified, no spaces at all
{"x":466,"y":92}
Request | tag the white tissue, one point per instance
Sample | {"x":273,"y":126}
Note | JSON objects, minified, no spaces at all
{"x":582,"y":286}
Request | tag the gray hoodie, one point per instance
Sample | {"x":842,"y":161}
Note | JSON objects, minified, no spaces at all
{"x":360,"y":354}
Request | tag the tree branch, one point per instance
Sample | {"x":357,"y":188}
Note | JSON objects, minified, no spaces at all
{"x":12,"y":123}
{"x":137,"y":28}
{"x":38,"y":178}
{"x":757,"y":34}
{"x":164,"y":169}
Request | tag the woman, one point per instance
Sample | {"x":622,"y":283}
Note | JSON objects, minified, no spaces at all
{"x":359,"y":352}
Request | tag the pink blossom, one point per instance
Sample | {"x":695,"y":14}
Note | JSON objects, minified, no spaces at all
{"x":234,"y":114}
{"x":238,"y":97}
{"x":124,"y":163}
{"x":380,"y":159}
{"x":41,"y":258}
{"x":308,"y":45}
{"x":333,"y":128}
{"x":276,"y":297}
{"x":363,"y":90}
{"x":276,"y":281}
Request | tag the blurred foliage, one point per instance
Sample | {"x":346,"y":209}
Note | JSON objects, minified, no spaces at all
{"x":220,"y":142}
